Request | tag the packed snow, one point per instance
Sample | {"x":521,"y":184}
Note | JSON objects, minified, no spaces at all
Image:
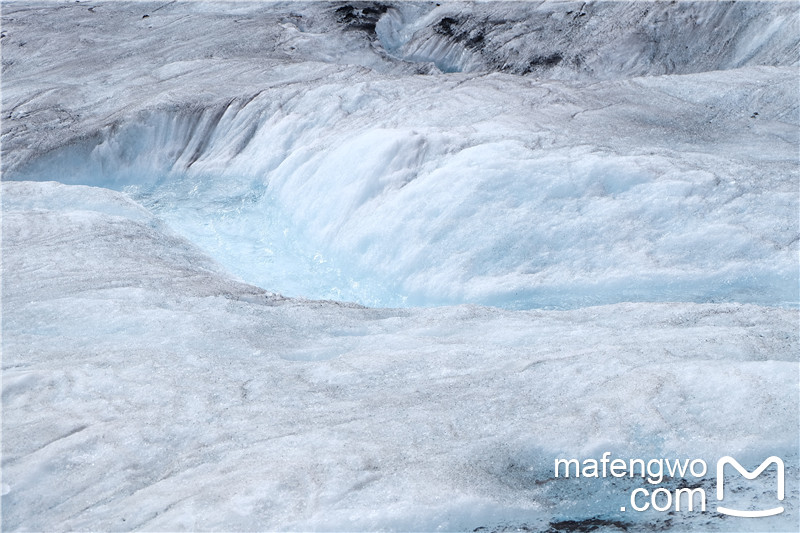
{"x":355,"y":266}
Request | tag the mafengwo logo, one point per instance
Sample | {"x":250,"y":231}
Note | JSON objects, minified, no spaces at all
{"x":687,"y":498}
{"x":750,"y":475}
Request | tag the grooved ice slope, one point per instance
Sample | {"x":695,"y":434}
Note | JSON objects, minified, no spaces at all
{"x":658,"y":189}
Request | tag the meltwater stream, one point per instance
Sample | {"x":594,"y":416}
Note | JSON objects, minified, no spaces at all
{"x":248,"y":233}
{"x":491,"y":224}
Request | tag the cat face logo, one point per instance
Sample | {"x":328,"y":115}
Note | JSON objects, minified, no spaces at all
{"x":749,"y":475}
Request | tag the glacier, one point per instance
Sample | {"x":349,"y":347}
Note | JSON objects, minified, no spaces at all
{"x":373,"y":266}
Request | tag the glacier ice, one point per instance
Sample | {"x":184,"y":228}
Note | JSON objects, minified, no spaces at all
{"x":144,"y":389}
{"x":574,"y":226}
{"x":456,"y":197}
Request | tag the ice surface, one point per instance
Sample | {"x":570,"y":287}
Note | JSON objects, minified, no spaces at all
{"x":491,"y":189}
{"x":600,"y":40}
{"x":164,"y":177}
{"x":144,"y":390}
